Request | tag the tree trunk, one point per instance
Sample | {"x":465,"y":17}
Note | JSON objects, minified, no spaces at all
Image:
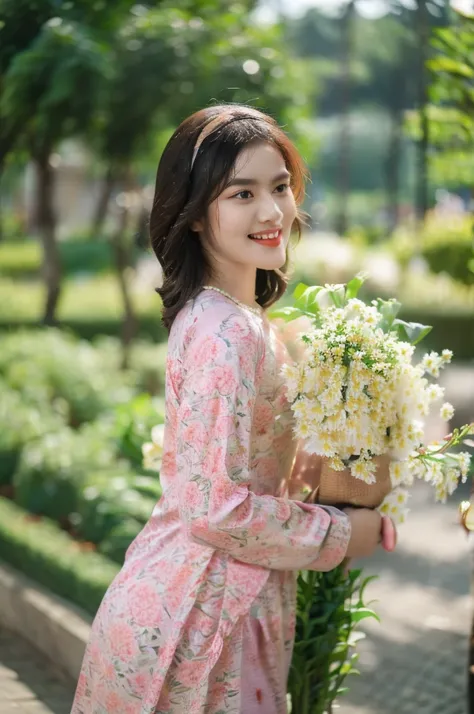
{"x":102,"y":205}
{"x":46,"y":218}
{"x":423,"y":31}
{"x":123,"y":264}
{"x":392,"y":169}
{"x":345,"y":138}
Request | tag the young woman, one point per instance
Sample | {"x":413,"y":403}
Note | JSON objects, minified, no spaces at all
{"x":201,"y":618}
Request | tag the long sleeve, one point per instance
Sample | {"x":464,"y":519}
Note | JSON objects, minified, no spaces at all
{"x":221,"y":364}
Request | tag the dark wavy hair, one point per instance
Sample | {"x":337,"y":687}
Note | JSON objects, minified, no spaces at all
{"x":185,"y":187}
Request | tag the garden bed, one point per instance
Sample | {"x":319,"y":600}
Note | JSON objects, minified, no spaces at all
{"x":75,"y":492}
{"x":44,"y":552}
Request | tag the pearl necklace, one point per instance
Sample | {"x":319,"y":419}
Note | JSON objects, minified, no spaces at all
{"x":256,"y":310}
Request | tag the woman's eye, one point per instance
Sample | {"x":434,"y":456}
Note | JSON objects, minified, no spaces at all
{"x":282,"y":187}
{"x":243,"y":194}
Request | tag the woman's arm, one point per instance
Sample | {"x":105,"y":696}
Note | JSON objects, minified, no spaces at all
{"x":217,"y":398}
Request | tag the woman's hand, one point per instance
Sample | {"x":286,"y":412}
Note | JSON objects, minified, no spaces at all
{"x":389,"y":534}
{"x":368,"y":530}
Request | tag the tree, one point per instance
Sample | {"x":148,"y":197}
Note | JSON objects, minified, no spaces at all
{"x":347,"y":36}
{"x":387,"y":49}
{"x":20,"y":23}
{"x":49,"y":93}
{"x":451,"y":109}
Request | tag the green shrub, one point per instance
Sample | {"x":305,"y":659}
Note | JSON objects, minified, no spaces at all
{"x":148,"y":486}
{"x":446,"y":245}
{"x":117,"y":542}
{"x":23,"y":258}
{"x":51,"y":557}
{"x":133,"y":423}
{"x":20,"y":424}
{"x":89,"y":326}
{"x":67,"y":374}
{"x":53,"y":469}
{"x":106,"y":500}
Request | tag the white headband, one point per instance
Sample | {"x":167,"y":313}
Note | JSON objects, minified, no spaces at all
{"x":206,"y":131}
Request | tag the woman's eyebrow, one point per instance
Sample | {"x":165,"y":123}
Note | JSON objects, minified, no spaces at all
{"x":283,"y":175}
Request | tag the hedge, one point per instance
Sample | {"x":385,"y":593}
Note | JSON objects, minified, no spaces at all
{"x":90,"y":326}
{"x":44,"y":552}
{"x":22,"y":258}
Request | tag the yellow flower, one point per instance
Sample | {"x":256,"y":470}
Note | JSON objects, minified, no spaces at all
{"x":302,"y":430}
{"x":363,"y":470}
{"x":336,"y":464}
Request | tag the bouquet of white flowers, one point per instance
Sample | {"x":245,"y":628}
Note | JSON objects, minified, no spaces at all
{"x":359,"y":400}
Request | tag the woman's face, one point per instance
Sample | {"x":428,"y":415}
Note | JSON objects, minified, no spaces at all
{"x":248,"y":226}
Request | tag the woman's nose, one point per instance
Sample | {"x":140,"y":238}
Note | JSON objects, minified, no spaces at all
{"x":269,"y":210}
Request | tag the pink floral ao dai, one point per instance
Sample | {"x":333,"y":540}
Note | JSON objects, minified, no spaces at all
{"x":201,"y":617}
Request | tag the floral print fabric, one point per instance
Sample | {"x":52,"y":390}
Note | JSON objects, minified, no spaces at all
{"x":203,"y":609}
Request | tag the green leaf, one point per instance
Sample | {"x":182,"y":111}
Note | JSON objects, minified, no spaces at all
{"x":354,"y":285}
{"x":299,"y":290}
{"x":287,"y":313}
{"x":452,"y":66}
{"x":337,"y":294}
{"x":308,"y":299}
{"x":367,"y":580}
{"x":388,"y":309}
{"x":412,"y":332}
{"x":363,"y":613}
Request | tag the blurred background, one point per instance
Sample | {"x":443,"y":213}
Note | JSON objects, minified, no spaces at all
{"x":379,"y":97}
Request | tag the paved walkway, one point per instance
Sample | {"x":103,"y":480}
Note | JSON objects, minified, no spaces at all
{"x":415,"y":660}
{"x":28,"y":684}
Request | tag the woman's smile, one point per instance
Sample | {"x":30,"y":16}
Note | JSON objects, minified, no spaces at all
{"x":268,"y":239}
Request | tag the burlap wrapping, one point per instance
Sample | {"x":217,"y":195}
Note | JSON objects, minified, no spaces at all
{"x":340,"y":488}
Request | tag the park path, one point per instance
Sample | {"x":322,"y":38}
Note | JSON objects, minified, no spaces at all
{"x":416,"y":660}
{"x":28,"y":684}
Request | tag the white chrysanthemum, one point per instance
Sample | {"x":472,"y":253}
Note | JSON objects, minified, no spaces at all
{"x":394,"y":505}
{"x":452,"y":480}
{"x":292,"y":378}
{"x":302,"y":430}
{"x":434,"y":473}
{"x":336,"y":464}
{"x":358,"y":394}
{"x":431,"y":364}
{"x":316,"y":412}
{"x":434,"y":392}
{"x":399,"y":473}
{"x":331,"y":399}
{"x":404,"y":350}
{"x":446,"y":412}
{"x":364,"y":470}
{"x":464,"y":459}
